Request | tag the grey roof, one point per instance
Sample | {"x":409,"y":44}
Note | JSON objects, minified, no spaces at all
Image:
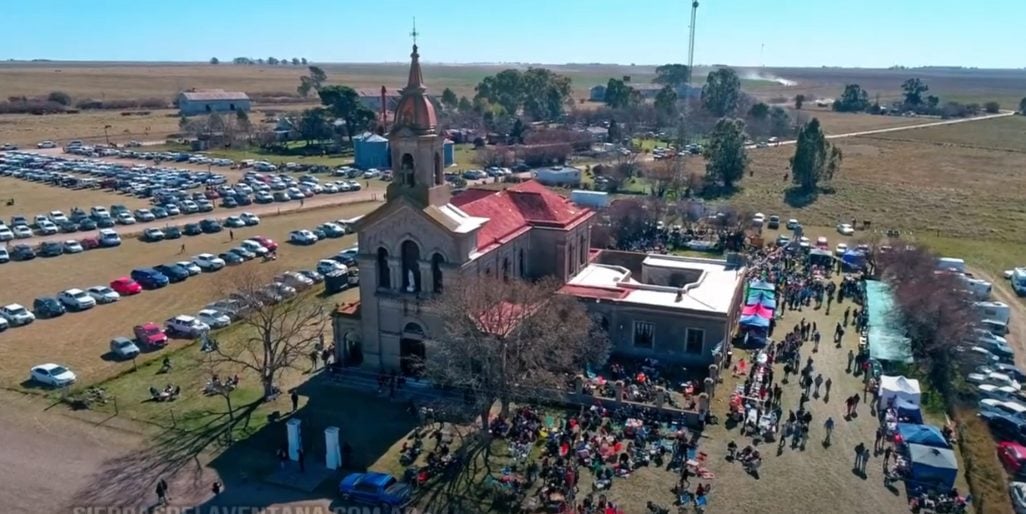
{"x":214,"y":94}
{"x":934,"y":457}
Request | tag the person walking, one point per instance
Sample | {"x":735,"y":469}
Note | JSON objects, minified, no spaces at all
{"x":847,"y":312}
{"x":231,"y":235}
{"x":295,"y":400}
{"x":879,"y":439}
{"x":851,"y":358}
{"x":162,"y":496}
{"x":859,"y":456}
{"x":827,"y":385}
{"x":855,"y":403}
{"x":182,"y":249}
{"x":818,"y":382}
{"x":887,"y":458}
{"x":828,"y":425}
{"x":865,"y":460}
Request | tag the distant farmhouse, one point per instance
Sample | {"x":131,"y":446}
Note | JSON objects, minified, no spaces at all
{"x":648,"y":91}
{"x":370,"y":97}
{"x":193,"y":102}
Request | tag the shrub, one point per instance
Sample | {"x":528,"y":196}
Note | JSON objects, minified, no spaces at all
{"x":992,"y":107}
{"x":59,"y":97}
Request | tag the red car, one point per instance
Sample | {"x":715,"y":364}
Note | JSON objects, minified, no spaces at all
{"x":125,"y":286}
{"x":266,"y":242}
{"x":150,"y":334}
{"x":89,"y":243}
{"x":1013,"y":457}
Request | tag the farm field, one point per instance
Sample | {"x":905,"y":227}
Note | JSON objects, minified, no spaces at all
{"x":844,"y":123}
{"x":1008,"y":134}
{"x":78,"y":340}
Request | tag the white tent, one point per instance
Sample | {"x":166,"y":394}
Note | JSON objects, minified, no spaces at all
{"x":902,"y":389}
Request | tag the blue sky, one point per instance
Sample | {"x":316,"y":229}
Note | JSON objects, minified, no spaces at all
{"x":867,"y":33}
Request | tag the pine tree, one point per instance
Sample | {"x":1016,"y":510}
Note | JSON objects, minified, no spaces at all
{"x":815,"y":159}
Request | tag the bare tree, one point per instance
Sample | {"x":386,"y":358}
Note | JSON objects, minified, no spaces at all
{"x":665,"y":175}
{"x":277,"y":331}
{"x":507,"y":340}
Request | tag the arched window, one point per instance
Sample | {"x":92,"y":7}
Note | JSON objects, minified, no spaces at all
{"x":523,"y":269}
{"x":439,"y":174}
{"x":384,"y":273}
{"x":505,"y":269}
{"x":411,"y":267}
{"x":583,"y":248}
{"x":406,"y":169}
{"x":570,"y":260}
{"x":436,"y":271}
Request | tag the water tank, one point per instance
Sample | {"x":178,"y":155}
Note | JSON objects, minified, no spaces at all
{"x":371,"y":152}
{"x":448,"y":153}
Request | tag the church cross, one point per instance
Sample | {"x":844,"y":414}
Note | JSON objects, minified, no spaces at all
{"x":414,"y":33}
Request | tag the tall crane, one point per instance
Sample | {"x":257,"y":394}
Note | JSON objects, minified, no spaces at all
{"x":691,"y":44}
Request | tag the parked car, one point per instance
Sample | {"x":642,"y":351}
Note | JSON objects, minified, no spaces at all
{"x":192,"y":229}
{"x":4,"y":256}
{"x":22,"y":253}
{"x":150,"y":335}
{"x":210,"y":226}
{"x":103,"y":294}
{"x":266,"y":242}
{"x":208,"y":262}
{"x":125,"y":286}
{"x":374,"y":488}
{"x":213,"y":318}
{"x":125,"y":218}
{"x":317,"y":278}
{"x":1013,"y":457}
{"x":254,"y":247}
{"x":123,"y":348}
{"x":186,"y":326}
{"x":144,"y":215}
{"x":15,"y":315}
{"x":172,"y":233}
{"x":234,"y":222}
{"x":173,"y":272}
{"x":845,"y":229}
{"x":72,"y":246}
{"x":230,"y":258}
{"x":149,"y":278}
{"x":190,"y":266}
{"x":242,"y":252}
{"x":327,"y":266}
{"x":153,"y":235}
{"x":302,"y":237}
{"x":293,"y":279}
{"x":3,"y":324}
{"x":21,"y":231}
{"x":76,"y":299}
{"x":792,"y":224}
{"x":773,"y":222}
{"x":50,"y":249}
{"x":250,"y":219}
{"x":47,"y":307}
{"x":109,"y":238}
{"x":52,"y":375}
{"x":1017,"y":492}
{"x":996,"y":392}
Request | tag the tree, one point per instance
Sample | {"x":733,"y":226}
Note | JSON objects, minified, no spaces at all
{"x":759,"y":111}
{"x":665,"y":175}
{"x":260,"y":61}
{"x":295,"y":61}
{"x":914,"y":89}
{"x":726,"y":158}
{"x":673,"y":75}
{"x":215,"y":60}
{"x":302,"y":60}
{"x":273,"y":61}
{"x":618,"y":94}
{"x":1022,"y":106}
{"x":539,"y":92}
{"x":449,"y":98}
{"x":799,"y":100}
{"x":344,"y":103}
{"x":779,"y":122}
{"x":242,"y":60}
{"x":516,"y":134}
{"x":505,"y":340}
{"x":853,"y":99}
{"x":465,"y":105}
{"x":815,"y":159}
{"x":311,"y":82}
{"x":666,"y":102}
{"x":277,"y":333}
{"x":313,"y":125}
{"x":721,"y":92}
{"x":242,"y":121}
{"x":992,"y":107}
{"x":613,"y":133}
{"x":59,"y":97}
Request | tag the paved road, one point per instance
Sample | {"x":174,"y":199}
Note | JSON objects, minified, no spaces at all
{"x":329,"y":200}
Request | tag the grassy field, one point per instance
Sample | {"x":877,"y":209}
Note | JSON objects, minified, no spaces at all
{"x":31,"y":198}
{"x":80,"y":339}
{"x":843,"y":123}
{"x":1006,"y":134}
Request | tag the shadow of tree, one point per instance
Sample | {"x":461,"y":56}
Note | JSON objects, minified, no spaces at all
{"x":798,"y":197}
{"x":169,"y":454}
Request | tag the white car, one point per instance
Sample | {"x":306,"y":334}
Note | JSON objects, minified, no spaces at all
{"x":234,"y":222}
{"x":190,"y":266}
{"x":326,"y":266}
{"x":72,"y":246}
{"x":804,"y":243}
{"x":845,"y":229}
{"x":302,"y":237}
{"x":793,"y":224}
{"x":188,"y":326}
{"x":996,"y":392}
{"x":145,"y":215}
{"x":46,"y":144}
{"x":47,"y":228}
{"x":76,"y":299}
{"x":52,"y":375}
{"x":208,"y":262}
{"x":994,"y":378}
{"x":213,"y":318}
{"x":6,"y":234}
{"x":991,"y":408}
{"x":254,"y":247}
{"x":250,"y":219}
{"x":4,"y":256}
{"x":840,"y":249}
{"x":1017,"y":491}
{"x":15,"y":315}
{"x":22,"y":231}
{"x":125,"y":218}
{"x":103,"y":294}
{"x":58,"y":217}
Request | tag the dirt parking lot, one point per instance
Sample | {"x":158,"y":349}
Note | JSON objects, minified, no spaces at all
{"x":31,"y":198}
{"x":78,"y":340}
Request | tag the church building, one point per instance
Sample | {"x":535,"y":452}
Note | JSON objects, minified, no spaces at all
{"x":423,"y":237}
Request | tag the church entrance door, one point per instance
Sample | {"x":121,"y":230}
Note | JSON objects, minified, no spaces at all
{"x":411,"y":350}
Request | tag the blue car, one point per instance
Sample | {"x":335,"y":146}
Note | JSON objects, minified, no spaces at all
{"x":150,"y":278}
{"x":374,"y":489}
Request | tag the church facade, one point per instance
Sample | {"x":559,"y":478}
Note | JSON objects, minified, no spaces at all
{"x":423,"y":237}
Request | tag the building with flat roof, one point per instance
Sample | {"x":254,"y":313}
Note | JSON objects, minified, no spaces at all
{"x":209,"y":101}
{"x":662,"y":306}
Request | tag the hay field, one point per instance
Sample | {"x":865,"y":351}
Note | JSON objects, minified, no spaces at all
{"x":843,"y":123}
{"x":78,"y":340}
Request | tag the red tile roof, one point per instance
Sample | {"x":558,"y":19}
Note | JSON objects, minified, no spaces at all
{"x":513,"y":209}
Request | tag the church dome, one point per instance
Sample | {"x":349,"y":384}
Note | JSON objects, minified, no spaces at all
{"x":415,"y":111}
